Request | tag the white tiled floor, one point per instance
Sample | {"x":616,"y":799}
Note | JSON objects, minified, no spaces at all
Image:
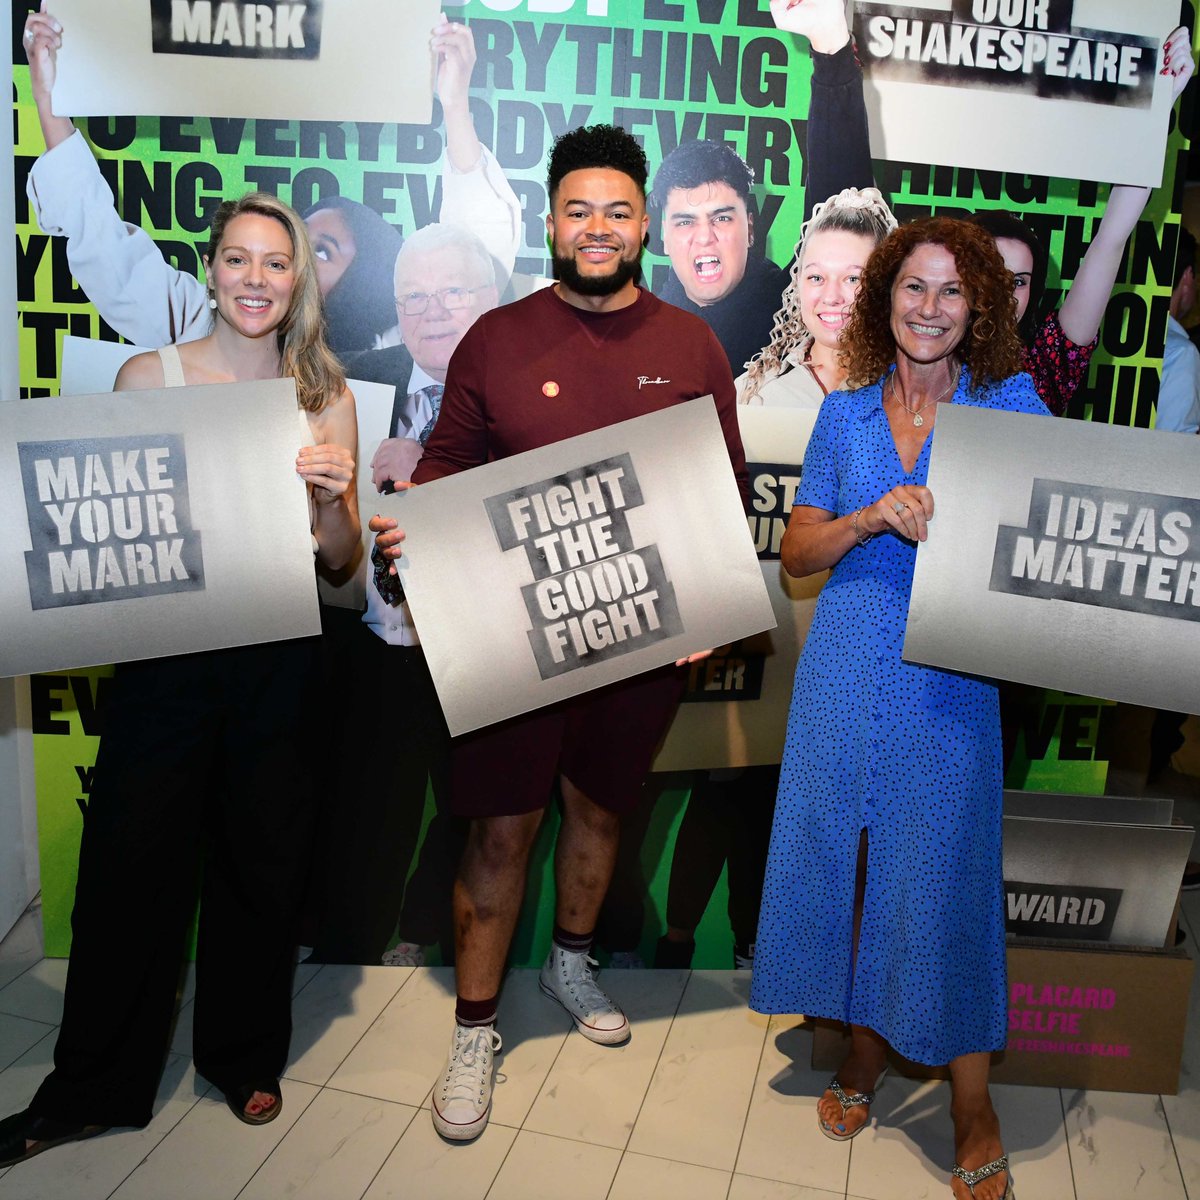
{"x":708,"y":1101}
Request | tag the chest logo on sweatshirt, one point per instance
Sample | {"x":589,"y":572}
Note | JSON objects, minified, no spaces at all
{"x":646,"y":381}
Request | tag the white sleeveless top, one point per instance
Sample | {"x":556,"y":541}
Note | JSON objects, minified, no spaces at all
{"x":172,"y":369}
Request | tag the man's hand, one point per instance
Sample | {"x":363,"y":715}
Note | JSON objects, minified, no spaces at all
{"x":395,"y":461}
{"x":387,"y":539}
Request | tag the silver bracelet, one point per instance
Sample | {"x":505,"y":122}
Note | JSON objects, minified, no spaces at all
{"x":858,"y":537}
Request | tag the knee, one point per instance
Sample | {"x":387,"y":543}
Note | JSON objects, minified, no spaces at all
{"x":498,"y":842}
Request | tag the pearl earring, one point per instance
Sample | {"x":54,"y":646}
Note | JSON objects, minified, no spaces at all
{"x":212,"y":300}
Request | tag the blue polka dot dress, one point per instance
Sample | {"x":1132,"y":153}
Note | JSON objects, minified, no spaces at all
{"x":911,"y":754}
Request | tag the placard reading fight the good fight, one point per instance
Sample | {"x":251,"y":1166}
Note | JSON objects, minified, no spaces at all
{"x":149,"y":523}
{"x":940,"y":74}
{"x":1063,"y":554}
{"x":554,"y":572}
{"x":322,"y":60}
{"x":734,"y":712}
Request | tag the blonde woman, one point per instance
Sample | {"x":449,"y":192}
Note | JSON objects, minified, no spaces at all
{"x":800,"y":366}
{"x":204,"y":780}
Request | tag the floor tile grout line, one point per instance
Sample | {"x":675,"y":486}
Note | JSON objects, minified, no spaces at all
{"x":52,"y":1029}
{"x":762,"y":1049}
{"x":1062,"y":1104}
{"x":21,"y":975}
{"x":166,"y":1134}
{"x":407,"y":1127}
{"x":687,"y":983}
{"x":370,"y":1025}
{"x":287,"y":1134}
{"x":1174,"y":1149}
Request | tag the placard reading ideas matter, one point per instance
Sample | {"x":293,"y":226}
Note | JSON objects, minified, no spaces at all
{"x":734,"y":712}
{"x":1069,"y":88}
{"x":557,"y":571}
{"x":142,"y":524}
{"x":1063,"y":554}
{"x":322,"y":60}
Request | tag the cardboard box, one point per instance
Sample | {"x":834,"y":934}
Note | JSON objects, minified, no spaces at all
{"x":1080,"y":1016}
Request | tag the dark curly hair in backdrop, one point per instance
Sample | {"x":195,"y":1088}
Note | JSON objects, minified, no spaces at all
{"x":990,"y":348}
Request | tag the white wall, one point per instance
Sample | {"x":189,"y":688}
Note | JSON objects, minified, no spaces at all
{"x":19,"y":875}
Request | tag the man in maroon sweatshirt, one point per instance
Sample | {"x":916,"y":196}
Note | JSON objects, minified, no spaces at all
{"x":591,"y":351}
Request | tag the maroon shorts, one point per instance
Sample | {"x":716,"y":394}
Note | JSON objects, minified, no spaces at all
{"x":603,"y":742}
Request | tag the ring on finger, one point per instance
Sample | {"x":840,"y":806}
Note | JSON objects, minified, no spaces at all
{"x":29,"y":37}
{"x":899,"y":507}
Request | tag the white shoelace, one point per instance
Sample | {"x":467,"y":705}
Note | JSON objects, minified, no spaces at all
{"x":467,"y":1073}
{"x":584,"y":986}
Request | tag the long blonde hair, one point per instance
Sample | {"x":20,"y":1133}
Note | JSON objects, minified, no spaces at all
{"x":852,"y":210}
{"x":303,"y":354}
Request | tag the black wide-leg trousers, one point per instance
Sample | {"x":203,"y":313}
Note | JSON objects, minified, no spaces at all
{"x":204,"y":782}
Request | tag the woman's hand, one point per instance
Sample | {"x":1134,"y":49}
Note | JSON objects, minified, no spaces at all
{"x":823,"y":22}
{"x":1178,"y":61}
{"x":329,"y":468}
{"x":906,"y":510}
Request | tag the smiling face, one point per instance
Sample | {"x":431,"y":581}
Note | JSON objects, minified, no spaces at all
{"x":432,"y":336}
{"x":333,"y":246}
{"x":251,"y":275}
{"x":707,"y":234}
{"x":597,"y":225}
{"x":830,"y":274}
{"x":1018,"y":258}
{"x":930,"y":312}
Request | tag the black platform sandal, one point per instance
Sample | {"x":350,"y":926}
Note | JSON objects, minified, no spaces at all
{"x":44,"y":1132}
{"x":237,"y":1098}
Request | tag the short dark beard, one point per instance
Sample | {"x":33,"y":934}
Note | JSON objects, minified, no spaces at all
{"x":567,"y":273}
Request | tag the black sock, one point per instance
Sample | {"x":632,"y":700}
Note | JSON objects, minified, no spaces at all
{"x":476,"y":1012}
{"x":576,"y":943}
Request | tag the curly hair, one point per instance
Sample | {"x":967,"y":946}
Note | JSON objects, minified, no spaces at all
{"x":862,"y":212}
{"x":990,"y":347}
{"x":1001,"y":224}
{"x":692,"y":164}
{"x":303,"y":352}
{"x":596,"y":146}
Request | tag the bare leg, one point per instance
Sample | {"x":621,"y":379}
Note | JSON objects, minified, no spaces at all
{"x":583,"y":859}
{"x":868,"y":1051}
{"x":487,"y":899}
{"x":976,"y":1126}
{"x":858,"y":1073}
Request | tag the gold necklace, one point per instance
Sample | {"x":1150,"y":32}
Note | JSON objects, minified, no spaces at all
{"x":919,"y":420}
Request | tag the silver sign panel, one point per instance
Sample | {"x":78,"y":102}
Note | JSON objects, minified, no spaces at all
{"x":557,"y":571}
{"x":141,"y":524}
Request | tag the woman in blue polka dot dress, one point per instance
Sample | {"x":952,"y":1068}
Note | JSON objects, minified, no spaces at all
{"x":891,"y":776}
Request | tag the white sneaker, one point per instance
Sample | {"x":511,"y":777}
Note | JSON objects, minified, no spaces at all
{"x":567,"y":978}
{"x":404,"y":954}
{"x":462,"y":1100}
